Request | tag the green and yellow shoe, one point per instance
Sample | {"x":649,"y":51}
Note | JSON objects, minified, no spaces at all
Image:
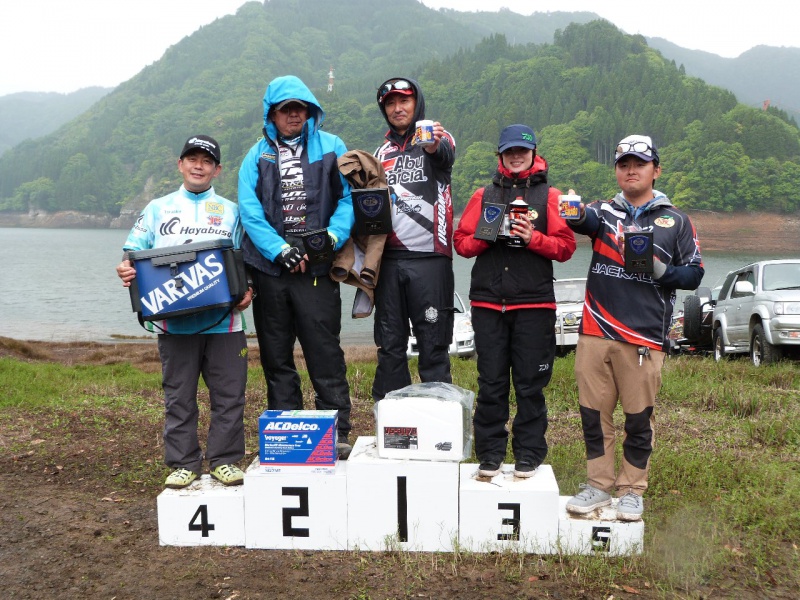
{"x":180,"y":478}
{"x":228,"y":474}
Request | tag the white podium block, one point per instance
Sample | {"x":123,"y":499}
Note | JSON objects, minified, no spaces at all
{"x":507,"y":512}
{"x":294,"y":510}
{"x":396,"y":504}
{"x":206,"y":513}
{"x":598,"y":532}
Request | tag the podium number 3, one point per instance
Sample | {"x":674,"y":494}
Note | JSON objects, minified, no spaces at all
{"x":203,"y":526}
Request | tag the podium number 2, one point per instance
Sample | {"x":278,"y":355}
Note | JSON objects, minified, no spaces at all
{"x":300,"y":511}
{"x":203,"y":526}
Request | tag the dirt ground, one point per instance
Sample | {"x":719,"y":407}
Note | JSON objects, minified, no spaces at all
{"x":72,"y":525}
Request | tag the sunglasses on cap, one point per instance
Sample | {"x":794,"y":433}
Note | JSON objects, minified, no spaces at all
{"x":400,"y":85}
{"x":640,"y":147}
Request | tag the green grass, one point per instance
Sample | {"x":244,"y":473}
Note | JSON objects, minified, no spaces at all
{"x":721,"y":510}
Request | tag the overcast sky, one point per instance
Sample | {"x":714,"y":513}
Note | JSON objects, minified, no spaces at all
{"x":63,"y":45}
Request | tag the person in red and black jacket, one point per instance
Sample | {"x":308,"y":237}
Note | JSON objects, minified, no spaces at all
{"x":626,"y":317}
{"x":513,"y":303}
{"x":416,"y":282}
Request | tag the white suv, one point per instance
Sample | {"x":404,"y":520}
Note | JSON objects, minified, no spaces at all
{"x":758,"y":311}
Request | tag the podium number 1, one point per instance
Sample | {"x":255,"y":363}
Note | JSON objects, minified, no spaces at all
{"x":402,"y":509}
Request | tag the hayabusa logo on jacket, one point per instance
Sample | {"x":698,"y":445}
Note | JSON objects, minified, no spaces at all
{"x":138,"y":225}
{"x":168,"y":228}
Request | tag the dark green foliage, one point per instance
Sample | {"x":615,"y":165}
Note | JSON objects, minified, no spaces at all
{"x":581,"y":94}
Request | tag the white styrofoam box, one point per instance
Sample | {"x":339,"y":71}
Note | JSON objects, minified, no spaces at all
{"x":206,"y":513}
{"x":397,"y":504}
{"x":303,"y":510}
{"x":598,"y":532}
{"x":507,"y":512}
{"x":420,"y":428}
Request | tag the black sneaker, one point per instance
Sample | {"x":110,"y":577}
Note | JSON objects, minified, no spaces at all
{"x":525,"y":469}
{"x":488,"y":469}
{"x":343,"y":447}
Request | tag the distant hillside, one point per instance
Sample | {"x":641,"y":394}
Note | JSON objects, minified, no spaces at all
{"x":763,"y":73}
{"x":28,"y":115}
{"x":582,"y":90}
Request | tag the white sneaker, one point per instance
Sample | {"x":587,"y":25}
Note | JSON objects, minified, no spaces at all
{"x":630,"y":507}
{"x":588,"y":499}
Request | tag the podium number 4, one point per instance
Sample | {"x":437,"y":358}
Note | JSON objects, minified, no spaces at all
{"x":203,"y":526}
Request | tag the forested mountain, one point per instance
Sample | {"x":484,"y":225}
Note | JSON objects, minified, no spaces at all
{"x":32,"y":114}
{"x":581,"y":93}
{"x":762,"y":74}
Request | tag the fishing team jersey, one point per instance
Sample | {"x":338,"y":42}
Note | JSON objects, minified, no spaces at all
{"x":422,"y":204}
{"x":633,"y":307}
{"x":183,"y":217}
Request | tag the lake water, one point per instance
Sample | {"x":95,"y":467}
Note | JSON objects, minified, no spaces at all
{"x":60,"y":285}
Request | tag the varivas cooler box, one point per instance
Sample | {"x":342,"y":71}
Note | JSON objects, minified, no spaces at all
{"x":186,"y":279}
{"x":297,"y":440}
{"x":425,"y":421}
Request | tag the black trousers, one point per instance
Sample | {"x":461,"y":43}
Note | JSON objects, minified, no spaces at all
{"x":221,"y":360}
{"x":419,"y":290}
{"x":516,"y":345}
{"x":298,"y":306}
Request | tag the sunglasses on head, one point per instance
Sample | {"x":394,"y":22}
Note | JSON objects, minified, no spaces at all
{"x":640,"y":147}
{"x":399,"y":85}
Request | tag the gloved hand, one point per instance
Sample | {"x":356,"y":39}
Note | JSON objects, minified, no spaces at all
{"x":290,"y":257}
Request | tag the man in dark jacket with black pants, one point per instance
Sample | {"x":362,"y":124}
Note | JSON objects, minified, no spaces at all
{"x":290,"y":185}
{"x":416,"y":279}
{"x":513,"y":302}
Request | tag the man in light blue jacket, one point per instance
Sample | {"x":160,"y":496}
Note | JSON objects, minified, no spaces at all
{"x":212,"y":343}
{"x":290,"y":186}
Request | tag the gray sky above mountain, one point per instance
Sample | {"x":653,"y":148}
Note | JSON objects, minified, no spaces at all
{"x":58,"y":46}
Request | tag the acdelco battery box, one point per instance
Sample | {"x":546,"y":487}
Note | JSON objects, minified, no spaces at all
{"x":295,"y":440}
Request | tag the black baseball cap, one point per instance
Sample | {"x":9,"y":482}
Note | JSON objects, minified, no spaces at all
{"x":202,"y":142}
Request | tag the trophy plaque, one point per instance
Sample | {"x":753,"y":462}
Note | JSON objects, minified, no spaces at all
{"x":372,"y":208}
{"x":490,"y":221}
{"x":639,"y":251}
{"x":319,"y":246}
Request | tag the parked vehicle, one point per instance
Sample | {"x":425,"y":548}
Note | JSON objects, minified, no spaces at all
{"x":758,"y":312}
{"x":570,"y":294}
{"x":690,"y":331}
{"x":463,"y":343}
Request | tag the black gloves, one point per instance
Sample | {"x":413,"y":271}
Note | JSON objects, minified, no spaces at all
{"x":289,"y":257}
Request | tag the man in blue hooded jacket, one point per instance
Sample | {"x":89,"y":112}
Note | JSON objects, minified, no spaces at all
{"x":290,"y":185}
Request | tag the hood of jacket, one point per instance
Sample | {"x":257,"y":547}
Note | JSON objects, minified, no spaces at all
{"x":285,"y":88}
{"x":419,"y":113}
{"x":659,"y":199}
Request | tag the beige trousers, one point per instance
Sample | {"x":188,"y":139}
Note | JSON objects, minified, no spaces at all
{"x":608,"y":371}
